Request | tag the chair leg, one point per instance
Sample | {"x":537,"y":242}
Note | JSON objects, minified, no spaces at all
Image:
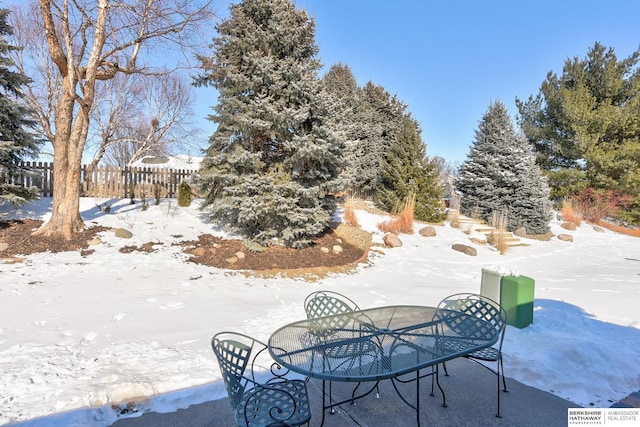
{"x":353,"y":393}
{"x":433,"y":374}
{"x":332,"y":410}
{"x":498,"y":413}
{"x":498,"y":372}
{"x":504,"y":382}
{"x":435,"y":379}
{"x":446,"y":374}
{"x":444,"y":397}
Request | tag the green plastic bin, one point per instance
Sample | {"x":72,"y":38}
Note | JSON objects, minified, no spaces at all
{"x":516,"y":297}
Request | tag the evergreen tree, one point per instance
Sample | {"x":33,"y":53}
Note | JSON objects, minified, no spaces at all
{"x":407,"y":170}
{"x":500,"y":175}
{"x":16,"y":142}
{"x":584,"y":126}
{"x":341,"y":90}
{"x":385,"y":156}
{"x":272,"y":169}
{"x":379,"y":120}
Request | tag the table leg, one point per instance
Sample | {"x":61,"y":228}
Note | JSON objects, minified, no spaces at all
{"x":324,"y":407}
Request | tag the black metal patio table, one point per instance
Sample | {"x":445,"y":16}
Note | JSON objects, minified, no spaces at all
{"x":377,"y":344}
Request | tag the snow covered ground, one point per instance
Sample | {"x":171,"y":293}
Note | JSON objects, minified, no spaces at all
{"x":81,"y":337}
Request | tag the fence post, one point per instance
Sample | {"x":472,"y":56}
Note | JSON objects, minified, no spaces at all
{"x":45,"y":179}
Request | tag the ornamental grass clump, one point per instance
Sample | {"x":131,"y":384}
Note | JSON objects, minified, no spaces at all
{"x":403,"y":221}
{"x":350,"y":213}
{"x":498,"y":236}
{"x":569,"y":214}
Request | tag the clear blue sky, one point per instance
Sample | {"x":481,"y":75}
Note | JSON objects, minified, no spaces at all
{"x":449,"y":59}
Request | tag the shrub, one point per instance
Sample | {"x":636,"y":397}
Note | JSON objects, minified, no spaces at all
{"x":184,"y":194}
{"x":598,"y":204}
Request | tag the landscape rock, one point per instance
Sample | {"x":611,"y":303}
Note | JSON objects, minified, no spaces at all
{"x":392,"y":240}
{"x":467,"y":250}
{"x":122,"y":233}
{"x":337,"y":249}
{"x":568,"y":226}
{"x":3,"y":246}
{"x":428,"y":231}
{"x":520,"y":232}
{"x":93,"y":242}
{"x":598,"y":229}
{"x":565,"y":237}
{"x":324,"y":249}
{"x":240,"y":255}
{"x":232,"y":260}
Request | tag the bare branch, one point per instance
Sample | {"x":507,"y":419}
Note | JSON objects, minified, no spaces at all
{"x":57,"y":53}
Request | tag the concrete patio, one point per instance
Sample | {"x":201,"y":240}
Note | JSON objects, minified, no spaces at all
{"x":470,"y":395}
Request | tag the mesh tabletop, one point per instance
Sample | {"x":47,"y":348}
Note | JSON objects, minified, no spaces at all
{"x":378,"y":343}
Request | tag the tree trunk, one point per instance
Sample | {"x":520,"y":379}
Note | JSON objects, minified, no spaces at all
{"x":71,"y":118}
{"x":65,"y":210}
{"x":68,"y":146}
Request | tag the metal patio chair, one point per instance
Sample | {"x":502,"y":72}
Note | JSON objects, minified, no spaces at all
{"x":326,"y":303}
{"x":258,"y":391}
{"x":320,"y":304}
{"x":490,"y":311}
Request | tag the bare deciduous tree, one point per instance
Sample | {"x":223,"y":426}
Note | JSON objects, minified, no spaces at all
{"x":90,"y":41}
{"x":143,"y":116}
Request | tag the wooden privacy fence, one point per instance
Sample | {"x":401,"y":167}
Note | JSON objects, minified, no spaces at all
{"x":110,"y":181}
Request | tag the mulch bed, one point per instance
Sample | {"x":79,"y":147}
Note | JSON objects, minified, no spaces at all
{"x":18,"y":235}
{"x":207,"y":250}
{"x":217,"y":252}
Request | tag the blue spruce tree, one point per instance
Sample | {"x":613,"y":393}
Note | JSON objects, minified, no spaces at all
{"x":500,"y":175}
{"x":272,"y":169}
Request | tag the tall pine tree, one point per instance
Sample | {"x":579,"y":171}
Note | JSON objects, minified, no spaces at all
{"x":343,"y":95}
{"x":500,"y":175}
{"x":584,"y":126}
{"x":272,"y":169}
{"x":406,"y":170}
{"x":379,"y":120}
{"x":16,"y":141}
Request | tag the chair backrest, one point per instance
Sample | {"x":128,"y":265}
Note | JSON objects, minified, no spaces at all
{"x":320,"y":304}
{"x":327,"y":303}
{"x":480,"y":307}
{"x":235,"y":352}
